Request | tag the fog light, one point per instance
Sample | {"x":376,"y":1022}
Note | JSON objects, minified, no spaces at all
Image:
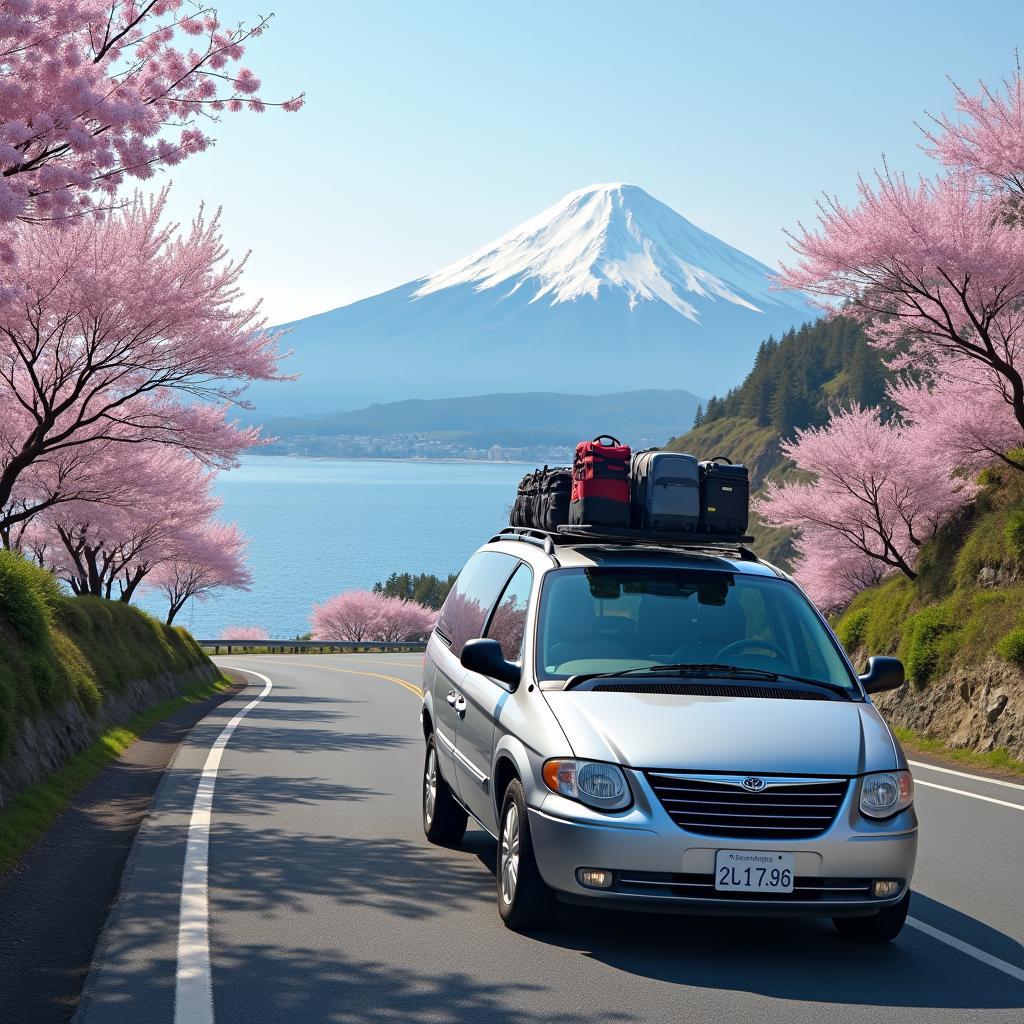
{"x":594,"y":878}
{"x":885,"y":887}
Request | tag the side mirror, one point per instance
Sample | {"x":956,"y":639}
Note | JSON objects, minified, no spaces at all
{"x":883,"y":674}
{"x":486,"y":658}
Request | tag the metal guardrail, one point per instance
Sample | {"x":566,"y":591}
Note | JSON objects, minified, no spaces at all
{"x":323,"y":646}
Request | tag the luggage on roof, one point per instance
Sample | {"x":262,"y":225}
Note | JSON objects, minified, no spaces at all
{"x":665,"y":491}
{"x":600,"y":483}
{"x":725,"y":496}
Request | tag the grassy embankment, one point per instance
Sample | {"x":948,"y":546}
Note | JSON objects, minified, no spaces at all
{"x":966,"y":604}
{"x":55,"y":649}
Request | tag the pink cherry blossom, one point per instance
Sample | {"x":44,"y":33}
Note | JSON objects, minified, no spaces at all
{"x":95,"y":91}
{"x":353,"y":615}
{"x":873,"y":487}
{"x":932,"y":267}
{"x":244,"y":633}
{"x":119,"y":332}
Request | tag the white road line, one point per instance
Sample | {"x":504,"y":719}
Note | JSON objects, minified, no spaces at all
{"x":964,"y":775}
{"x":974,"y":796}
{"x":193,"y":992}
{"x":965,"y":947}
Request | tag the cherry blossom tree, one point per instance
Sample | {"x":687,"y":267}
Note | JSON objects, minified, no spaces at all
{"x":354,"y":615}
{"x":831,"y":570}
{"x":930,"y":267}
{"x":986,"y":139}
{"x":402,"y":620}
{"x":960,"y":415}
{"x":107,"y":548}
{"x":245,"y":633}
{"x":206,"y":558}
{"x":118,"y":332}
{"x":366,"y":615}
{"x":96,"y":91}
{"x":875,"y":488}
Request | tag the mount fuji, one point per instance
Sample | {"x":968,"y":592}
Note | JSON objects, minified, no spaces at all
{"x":608,"y":289}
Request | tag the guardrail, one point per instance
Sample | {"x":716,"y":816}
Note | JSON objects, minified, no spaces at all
{"x":323,"y":646}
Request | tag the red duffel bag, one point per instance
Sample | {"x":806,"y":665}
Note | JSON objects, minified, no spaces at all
{"x":600,"y":483}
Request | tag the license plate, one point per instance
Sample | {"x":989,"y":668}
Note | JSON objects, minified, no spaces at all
{"x":754,"y":871}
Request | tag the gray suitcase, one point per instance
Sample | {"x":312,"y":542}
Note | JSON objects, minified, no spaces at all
{"x":665,"y":489}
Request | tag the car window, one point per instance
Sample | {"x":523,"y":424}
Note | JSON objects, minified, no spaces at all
{"x":470,"y":602}
{"x":508,"y":623}
{"x":609,"y":619}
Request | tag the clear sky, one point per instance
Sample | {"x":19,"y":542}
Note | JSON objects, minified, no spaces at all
{"x":431,"y":128}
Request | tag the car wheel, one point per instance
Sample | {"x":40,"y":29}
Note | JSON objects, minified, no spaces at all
{"x":444,"y":821}
{"x":524,"y":900}
{"x":881,"y":927}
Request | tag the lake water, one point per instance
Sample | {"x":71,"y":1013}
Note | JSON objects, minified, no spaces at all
{"x":321,"y":526}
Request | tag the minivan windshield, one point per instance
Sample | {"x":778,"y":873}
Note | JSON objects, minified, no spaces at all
{"x":613,"y":619}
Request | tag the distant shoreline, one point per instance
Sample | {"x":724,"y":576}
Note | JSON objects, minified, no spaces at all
{"x":378,"y":458}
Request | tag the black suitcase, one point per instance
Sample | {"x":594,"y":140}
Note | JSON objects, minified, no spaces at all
{"x":725,"y":496}
{"x":665,"y":489}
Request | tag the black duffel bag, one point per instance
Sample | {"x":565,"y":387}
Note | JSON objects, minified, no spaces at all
{"x":542,"y":501}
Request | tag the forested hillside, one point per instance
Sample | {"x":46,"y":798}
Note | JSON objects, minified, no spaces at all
{"x":794,"y":383}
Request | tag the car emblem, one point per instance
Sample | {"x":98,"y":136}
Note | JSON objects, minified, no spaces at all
{"x":753,"y":785}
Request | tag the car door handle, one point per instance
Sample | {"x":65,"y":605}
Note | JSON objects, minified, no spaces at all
{"x":460,"y":707}
{"x":451,"y":697}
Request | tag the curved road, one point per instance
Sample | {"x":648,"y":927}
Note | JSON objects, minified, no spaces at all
{"x":325,"y":903}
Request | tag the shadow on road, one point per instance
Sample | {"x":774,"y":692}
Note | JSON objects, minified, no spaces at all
{"x":263,"y":984}
{"x":793,"y":959}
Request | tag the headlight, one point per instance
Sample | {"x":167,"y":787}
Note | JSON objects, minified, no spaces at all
{"x":884,"y":794}
{"x":591,"y":782}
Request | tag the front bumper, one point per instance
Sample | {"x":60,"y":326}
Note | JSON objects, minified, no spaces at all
{"x":659,"y":866}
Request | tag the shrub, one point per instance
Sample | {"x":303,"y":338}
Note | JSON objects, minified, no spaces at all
{"x":985,"y":546}
{"x":1011,"y":646}
{"x":28,"y":597}
{"x":1015,"y":534}
{"x":921,"y":646}
{"x":852,"y":628}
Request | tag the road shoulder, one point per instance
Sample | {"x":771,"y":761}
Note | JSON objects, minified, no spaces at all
{"x":58,"y":897}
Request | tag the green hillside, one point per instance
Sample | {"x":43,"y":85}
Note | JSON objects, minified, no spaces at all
{"x":794,"y":383}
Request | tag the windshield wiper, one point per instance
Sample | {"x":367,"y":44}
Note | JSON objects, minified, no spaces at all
{"x":711,"y":670}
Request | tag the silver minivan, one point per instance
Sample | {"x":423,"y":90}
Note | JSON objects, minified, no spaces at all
{"x":663,"y":727}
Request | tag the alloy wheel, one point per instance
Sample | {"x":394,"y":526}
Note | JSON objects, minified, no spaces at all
{"x":430,"y":787}
{"x":510,"y":855}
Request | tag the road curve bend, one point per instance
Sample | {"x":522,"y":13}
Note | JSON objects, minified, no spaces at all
{"x":326,"y":904}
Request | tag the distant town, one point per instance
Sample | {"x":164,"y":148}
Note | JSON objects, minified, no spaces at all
{"x":414,"y":446}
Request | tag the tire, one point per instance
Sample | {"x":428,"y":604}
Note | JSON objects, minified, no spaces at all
{"x":881,"y":927}
{"x":524,"y":900}
{"x":444,"y":820}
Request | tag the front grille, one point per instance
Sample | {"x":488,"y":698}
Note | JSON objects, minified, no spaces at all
{"x":806,"y":889}
{"x":795,"y":810}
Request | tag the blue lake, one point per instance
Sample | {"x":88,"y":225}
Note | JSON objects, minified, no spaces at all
{"x":320,"y":526}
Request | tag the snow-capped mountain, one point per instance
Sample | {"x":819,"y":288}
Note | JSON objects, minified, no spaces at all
{"x":606,"y":289}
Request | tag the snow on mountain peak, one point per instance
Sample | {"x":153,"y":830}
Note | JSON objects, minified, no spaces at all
{"x":612,"y":236}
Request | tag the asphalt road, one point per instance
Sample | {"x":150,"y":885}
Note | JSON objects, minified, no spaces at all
{"x":325,"y":903}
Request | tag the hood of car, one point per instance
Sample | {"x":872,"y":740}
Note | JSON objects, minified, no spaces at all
{"x":724,"y":734}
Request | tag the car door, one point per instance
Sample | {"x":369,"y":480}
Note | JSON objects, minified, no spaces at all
{"x":462,"y":618}
{"x":484,"y":698}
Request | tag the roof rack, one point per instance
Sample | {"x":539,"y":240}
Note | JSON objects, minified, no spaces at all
{"x":715,"y":542}
{"x":542,"y":539}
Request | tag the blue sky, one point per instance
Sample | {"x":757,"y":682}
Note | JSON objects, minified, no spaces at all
{"x":431,"y":128}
